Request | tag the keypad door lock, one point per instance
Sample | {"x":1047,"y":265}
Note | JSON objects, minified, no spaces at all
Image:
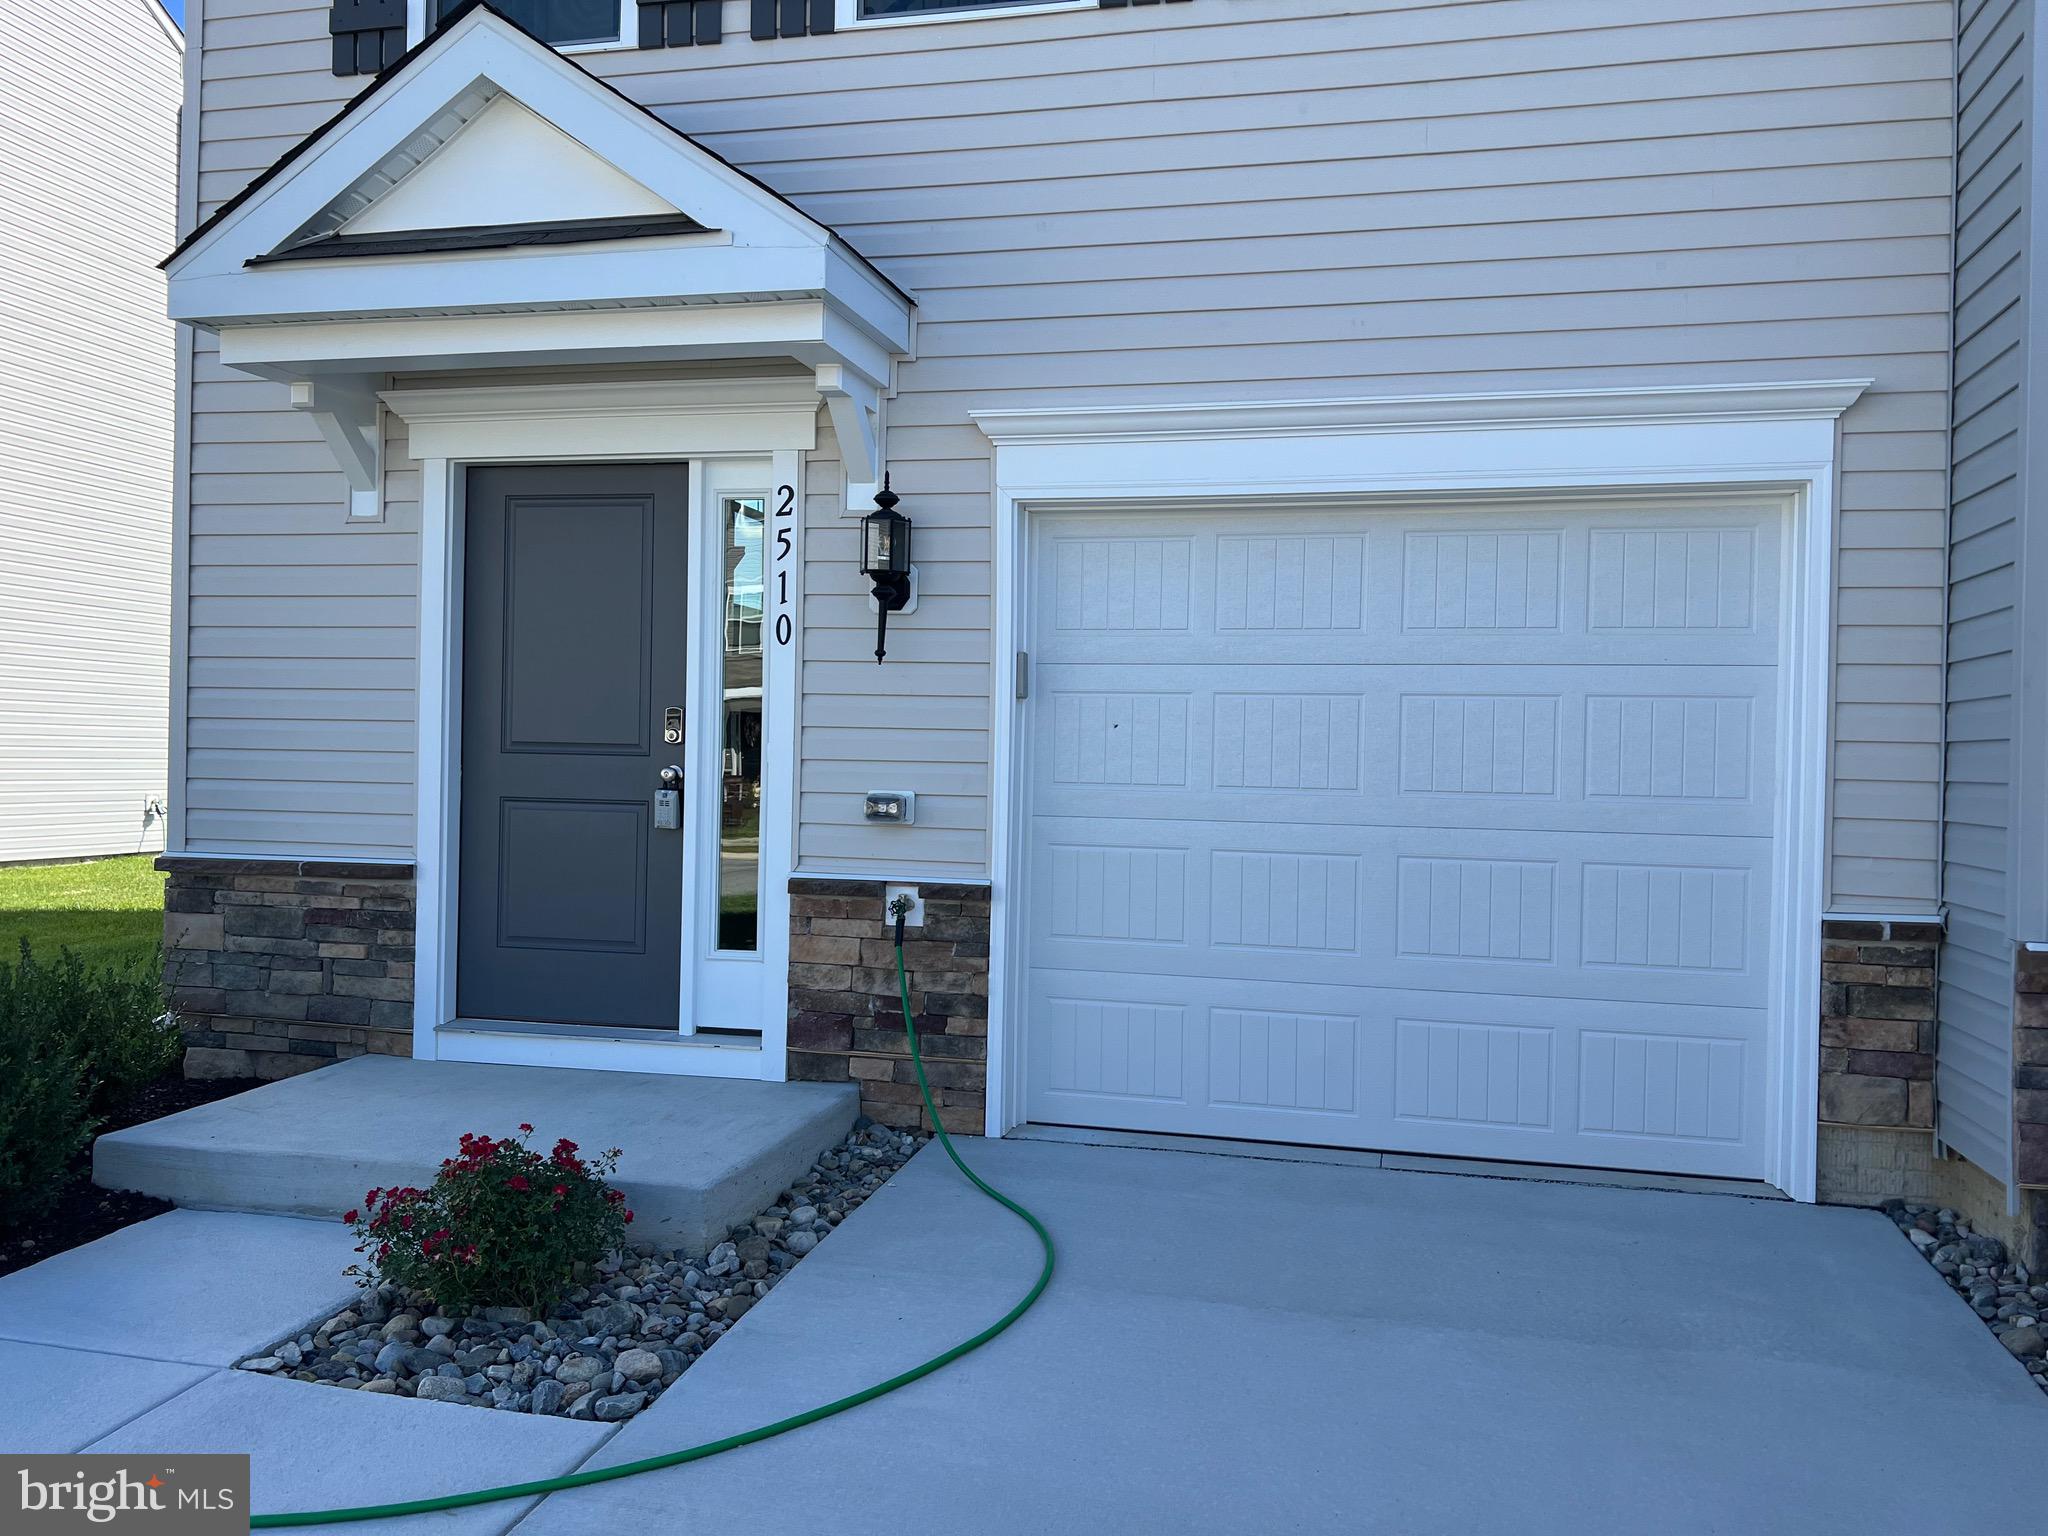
{"x":668,"y":800}
{"x":672,"y":727}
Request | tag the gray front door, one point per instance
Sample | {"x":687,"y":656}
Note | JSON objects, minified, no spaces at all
{"x":570,"y":908}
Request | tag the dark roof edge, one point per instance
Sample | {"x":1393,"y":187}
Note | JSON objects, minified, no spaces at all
{"x":485,"y":237}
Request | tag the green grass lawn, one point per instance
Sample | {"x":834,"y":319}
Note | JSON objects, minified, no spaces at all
{"x":108,"y":910}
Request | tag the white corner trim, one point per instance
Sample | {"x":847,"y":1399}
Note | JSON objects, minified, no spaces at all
{"x":1824,"y":399}
{"x":609,"y":420}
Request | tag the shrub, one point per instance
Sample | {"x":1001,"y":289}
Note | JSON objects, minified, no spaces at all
{"x":501,"y":1226}
{"x":111,"y":1019}
{"x":44,"y":1122}
{"x":75,"y":1040}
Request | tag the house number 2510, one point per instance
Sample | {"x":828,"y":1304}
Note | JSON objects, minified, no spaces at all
{"x":785,"y":515}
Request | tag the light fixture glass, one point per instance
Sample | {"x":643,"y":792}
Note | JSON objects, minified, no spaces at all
{"x":885,"y":559}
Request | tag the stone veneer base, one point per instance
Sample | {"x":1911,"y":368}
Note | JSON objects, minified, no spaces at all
{"x":845,"y":1021}
{"x":279,"y":966}
{"x":1877,"y":1026}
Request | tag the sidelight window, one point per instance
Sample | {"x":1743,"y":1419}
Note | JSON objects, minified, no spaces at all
{"x":742,"y":547}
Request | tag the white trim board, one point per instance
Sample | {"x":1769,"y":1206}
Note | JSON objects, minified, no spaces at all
{"x":739,"y":433}
{"x":1264,"y":456}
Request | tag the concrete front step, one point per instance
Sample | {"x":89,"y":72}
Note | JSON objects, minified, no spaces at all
{"x":701,"y":1154}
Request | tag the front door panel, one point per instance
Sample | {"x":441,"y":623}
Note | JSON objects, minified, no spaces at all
{"x":573,"y":651}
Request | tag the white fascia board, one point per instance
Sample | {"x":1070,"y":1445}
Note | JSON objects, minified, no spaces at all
{"x":645,"y":271}
{"x":797,"y":329}
{"x":481,"y":50}
{"x":868,"y":300}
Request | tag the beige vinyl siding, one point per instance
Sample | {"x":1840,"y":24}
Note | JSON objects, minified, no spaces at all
{"x":88,"y":184}
{"x":1976,"y":1061}
{"x":1298,"y":198}
{"x":303,"y":636}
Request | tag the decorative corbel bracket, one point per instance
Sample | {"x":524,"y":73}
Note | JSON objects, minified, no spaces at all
{"x":855,"y":404}
{"x":349,"y":416}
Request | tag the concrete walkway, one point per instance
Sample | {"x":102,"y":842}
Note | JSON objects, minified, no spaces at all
{"x":702,"y":1152}
{"x":1249,"y":1346}
{"x":1230,"y":1346}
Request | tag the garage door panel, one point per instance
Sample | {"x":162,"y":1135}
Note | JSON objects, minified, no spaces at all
{"x":1457,"y":1076}
{"x":1451,"y":586}
{"x":1588,"y":747}
{"x":1419,"y":828}
{"x":1385,"y":642}
{"x":1594,"y":820}
{"x":1652,"y":918}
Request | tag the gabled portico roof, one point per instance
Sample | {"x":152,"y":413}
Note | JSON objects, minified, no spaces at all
{"x":485,"y":189}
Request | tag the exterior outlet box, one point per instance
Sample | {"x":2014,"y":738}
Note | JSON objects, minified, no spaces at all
{"x":915,"y":919}
{"x":893,"y":807}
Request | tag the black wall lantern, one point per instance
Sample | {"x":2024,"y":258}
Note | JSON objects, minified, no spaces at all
{"x":885,"y":559}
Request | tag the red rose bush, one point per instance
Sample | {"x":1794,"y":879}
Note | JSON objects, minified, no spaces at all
{"x":500,"y":1226}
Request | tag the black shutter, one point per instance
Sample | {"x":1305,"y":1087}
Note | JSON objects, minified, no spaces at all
{"x":791,"y":18}
{"x":369,"y":35}
{"x":680,"y":23}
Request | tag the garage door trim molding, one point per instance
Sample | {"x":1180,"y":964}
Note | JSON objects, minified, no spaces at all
{"x":1264,"y":456}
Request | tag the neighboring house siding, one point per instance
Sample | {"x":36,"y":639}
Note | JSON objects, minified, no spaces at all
{"x":1281,"y":199}
{"x":88,"y":181}
{"x":1975,"y":1072}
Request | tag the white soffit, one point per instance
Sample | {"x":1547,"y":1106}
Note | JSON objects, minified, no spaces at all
{"x":466,"y":182}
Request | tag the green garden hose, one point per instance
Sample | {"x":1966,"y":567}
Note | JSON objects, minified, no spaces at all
{"x":765,"y":1431}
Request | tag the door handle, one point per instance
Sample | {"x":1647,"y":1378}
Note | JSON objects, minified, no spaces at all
{"x":668,"y":800}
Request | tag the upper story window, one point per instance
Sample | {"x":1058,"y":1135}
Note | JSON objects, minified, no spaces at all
{"x":561,"y":22}
{"x":880,"y":10}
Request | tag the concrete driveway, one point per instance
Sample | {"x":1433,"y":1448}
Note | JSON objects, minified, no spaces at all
{"x":1248,"y":1345}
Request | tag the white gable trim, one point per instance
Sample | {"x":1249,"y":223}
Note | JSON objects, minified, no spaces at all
{"x":482,"y":48}
{"x":761,"y":279}
{"x":757,"y":247}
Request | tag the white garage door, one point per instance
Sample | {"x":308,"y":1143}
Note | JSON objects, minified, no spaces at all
{"x":1438,"y":829}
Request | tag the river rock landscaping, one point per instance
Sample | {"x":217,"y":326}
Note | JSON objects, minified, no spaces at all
{"x":612,"y":1345}
{"x":1976,"y":1268}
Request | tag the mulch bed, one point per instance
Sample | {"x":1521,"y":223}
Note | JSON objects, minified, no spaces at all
{"x":85,"y":1211}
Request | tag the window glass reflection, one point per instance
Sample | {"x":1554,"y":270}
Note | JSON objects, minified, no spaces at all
{"x":741,"y":680}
